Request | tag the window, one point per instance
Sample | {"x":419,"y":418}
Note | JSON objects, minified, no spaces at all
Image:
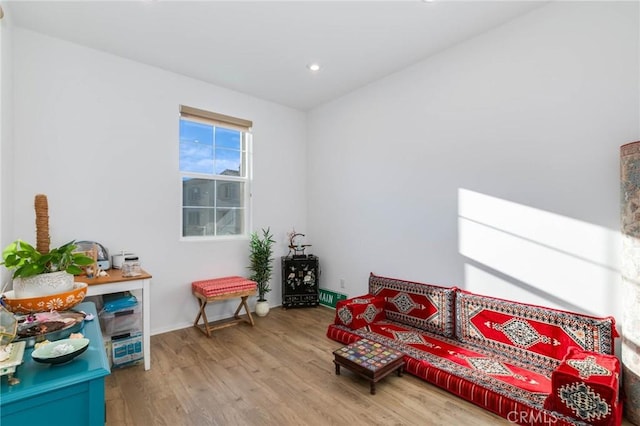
{"x":214,"y":169}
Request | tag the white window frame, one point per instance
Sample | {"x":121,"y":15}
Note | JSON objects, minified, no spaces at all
{"x":224,"y":121}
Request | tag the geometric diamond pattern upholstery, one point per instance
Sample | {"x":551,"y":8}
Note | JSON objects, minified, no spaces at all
{"x":489,"y":366}
{"x":344,"y":314}
{"x":588,"y":367}
{"x":534,"y":334}
{"x":370,"y":313}
{"x":359,"y":312}
{"x":585,"y":386}
{"x":425,"y":306}
{"x":583,"y":401}
{"x":409,"y":337}
{"x":520,"y":332}
{"x":402,"y":301}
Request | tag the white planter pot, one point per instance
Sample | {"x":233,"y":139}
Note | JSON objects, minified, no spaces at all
{"x":262,"y":308}
{"x":43,"y":285}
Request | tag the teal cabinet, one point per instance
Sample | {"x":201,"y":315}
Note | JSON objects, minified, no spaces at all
{"x":67,"y":394}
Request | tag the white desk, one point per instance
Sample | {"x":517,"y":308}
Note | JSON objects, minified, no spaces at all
{"x":114,"y":283}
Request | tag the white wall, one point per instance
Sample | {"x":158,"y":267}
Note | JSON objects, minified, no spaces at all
{"x":6,"y":136}
{"x":492,"y":166}
{"x":98,"y":135}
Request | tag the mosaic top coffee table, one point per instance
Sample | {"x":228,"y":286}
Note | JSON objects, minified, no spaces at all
{"x":370,"y":360}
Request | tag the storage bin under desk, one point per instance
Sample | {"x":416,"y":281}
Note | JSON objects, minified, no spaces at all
{"x":121,"y":321}
{"x":139,"y":285}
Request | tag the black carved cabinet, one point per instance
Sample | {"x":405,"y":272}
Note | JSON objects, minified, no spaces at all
{"x":300,"y":281}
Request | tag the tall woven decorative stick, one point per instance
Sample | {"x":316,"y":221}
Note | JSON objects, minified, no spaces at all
{"x":42,"y":224}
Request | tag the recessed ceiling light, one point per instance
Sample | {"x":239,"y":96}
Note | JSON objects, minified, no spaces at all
{"x":313,"y":67}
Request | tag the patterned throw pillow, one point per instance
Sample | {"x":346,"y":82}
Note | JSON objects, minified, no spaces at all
{"x":585,"y":386}
{"x":424,"y":306}
{"x":359,"y":311}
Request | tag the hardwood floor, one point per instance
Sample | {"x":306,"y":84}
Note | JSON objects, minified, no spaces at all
{"x":278,"y":372}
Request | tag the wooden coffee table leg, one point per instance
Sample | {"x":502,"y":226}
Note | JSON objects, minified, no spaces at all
{"x":373,"y":387}
{"x":337,"y":368}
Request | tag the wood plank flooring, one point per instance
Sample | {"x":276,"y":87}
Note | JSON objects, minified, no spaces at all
{"x":279,"y":372}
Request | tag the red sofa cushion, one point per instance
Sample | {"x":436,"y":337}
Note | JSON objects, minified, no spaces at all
{"x":585,"y":386}
{"x":462,"y":359}
{"x":360,"y":311}
{"x":505,"y":388}
{"x":535,"y":335}
{"x":425,"y":306}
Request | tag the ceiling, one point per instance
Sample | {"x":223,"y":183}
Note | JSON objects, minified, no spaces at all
{"x":261,"y":48}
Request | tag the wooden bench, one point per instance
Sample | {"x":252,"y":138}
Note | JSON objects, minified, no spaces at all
{"x":224,"y":288}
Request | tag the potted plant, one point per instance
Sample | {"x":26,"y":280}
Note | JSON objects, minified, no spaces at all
{"x":40,"y":274}
{"x":261,"y":266}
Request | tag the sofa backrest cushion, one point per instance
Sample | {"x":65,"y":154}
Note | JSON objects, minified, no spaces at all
{"x":529,"y":333}
{"x":424,"y":306}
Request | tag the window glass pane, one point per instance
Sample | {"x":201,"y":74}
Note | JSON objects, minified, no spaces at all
{"x":229,"y":221}
{"x":198,"y":192}
{"x":227,"y":162}
{"x":228,"y":138}
{"x":196,"y":147}
{"x":198,"y":222}
{"x":229,"y":194}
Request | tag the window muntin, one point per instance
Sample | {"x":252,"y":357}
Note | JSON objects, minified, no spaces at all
{"x":214,"y":173}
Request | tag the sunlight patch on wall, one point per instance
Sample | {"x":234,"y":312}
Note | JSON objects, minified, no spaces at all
{"x":485,"y":282}
{"x":567,"y":259}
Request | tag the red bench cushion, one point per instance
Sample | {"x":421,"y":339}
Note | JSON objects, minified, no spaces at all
{"x":224,"y":285}
{"x":498,"y":384}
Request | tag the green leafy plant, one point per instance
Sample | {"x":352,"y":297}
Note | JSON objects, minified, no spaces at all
{"x":261,"y":261}
{"x":27,"y":261}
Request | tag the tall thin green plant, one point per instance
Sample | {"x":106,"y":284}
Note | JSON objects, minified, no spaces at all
{"x":261,"y":261}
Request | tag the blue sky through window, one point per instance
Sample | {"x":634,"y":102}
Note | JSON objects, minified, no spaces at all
{"x":207,"y":149}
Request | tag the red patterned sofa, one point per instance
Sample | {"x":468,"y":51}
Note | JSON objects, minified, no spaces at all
{"x":496,"y":353}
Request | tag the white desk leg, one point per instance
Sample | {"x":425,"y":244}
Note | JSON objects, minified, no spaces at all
{"x":146,"y":318}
